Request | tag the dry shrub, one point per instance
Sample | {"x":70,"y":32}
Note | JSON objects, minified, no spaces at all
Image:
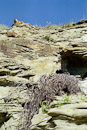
{"x":48,"y":87}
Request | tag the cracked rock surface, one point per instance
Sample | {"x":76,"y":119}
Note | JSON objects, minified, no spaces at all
{"x":25,"y":57}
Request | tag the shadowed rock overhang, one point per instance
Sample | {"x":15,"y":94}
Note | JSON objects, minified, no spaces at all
{"x":74,"y":58}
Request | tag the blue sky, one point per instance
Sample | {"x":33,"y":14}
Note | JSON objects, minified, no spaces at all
{"x":40,"y":11}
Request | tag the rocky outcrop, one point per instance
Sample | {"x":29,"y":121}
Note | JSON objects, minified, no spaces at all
{"x":65,"y":113}
{"x":29,"y":52}
{"x":74,"y":58}
{"x":74,"y":55}
{"x":48,"y":87}
{"x":14,"y":61}
{"x":11,"y":100}
{"x":22,"y":60}
{"x":18,"y":22}
{"x":12,"y":34}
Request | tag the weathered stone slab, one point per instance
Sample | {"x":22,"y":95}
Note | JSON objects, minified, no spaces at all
{"x":74,"y":58}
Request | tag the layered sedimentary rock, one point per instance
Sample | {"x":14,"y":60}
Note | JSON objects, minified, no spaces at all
{"x":65,"y":113}
{"x":23,"y":60}
{"x":32,"y":53}
{"x":74,"y":58}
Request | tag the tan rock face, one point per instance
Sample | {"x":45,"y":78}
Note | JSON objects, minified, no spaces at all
{"x":74,"y":58}
{"x":22,"y":60}
{"x":66,"y":112}
{"x":17,"y":22}
{"x":26,"y":58}
{"x":11,"y":34}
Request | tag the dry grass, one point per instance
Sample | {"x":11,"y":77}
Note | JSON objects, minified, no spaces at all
{"x":3,"y":27}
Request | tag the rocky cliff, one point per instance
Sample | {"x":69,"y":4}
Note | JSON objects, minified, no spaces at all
{"x":30,"y":58}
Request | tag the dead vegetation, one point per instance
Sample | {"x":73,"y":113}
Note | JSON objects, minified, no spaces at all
{"x":49,"y":86}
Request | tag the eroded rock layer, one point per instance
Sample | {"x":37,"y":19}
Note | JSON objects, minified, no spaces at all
{"x":28,"y":52}
{"x":74,"y":58}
